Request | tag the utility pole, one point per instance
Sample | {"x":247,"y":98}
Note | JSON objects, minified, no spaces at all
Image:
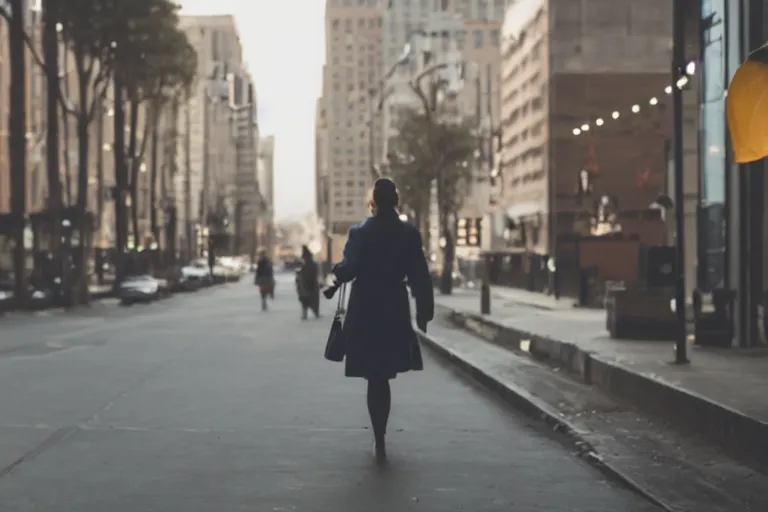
{"x":17,"y":142}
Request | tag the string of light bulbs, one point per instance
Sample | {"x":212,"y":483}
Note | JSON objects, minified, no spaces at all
{"x":682,"y":82}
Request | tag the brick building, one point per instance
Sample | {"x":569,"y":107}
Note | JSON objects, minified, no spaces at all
{"x":566,"y":64}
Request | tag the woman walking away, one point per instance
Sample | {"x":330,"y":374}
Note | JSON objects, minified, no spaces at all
{"x":380,"y":255}
{"x":308,"y":284}
{"x":265,"y":279}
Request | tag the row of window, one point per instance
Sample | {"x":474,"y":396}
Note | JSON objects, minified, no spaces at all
{"x":528,"y":177}
{"x":349,"y":24}
{"x":484,"y":9}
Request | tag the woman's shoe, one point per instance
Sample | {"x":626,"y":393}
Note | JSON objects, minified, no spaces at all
{"x":380,"y":451}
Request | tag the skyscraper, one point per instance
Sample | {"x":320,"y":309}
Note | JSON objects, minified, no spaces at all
{"x":351,"y":85}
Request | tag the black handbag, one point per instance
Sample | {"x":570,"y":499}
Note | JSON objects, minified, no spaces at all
{"x":335,"y":348}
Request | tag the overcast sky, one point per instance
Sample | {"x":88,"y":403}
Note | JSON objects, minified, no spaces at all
{"x":283,"y":43}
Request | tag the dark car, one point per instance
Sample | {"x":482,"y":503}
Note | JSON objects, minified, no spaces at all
{"x":140,"y":289}
{"x":6,"y":300}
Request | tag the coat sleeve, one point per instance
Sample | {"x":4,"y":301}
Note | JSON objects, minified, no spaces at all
{"x":346,"y":270}
{"x":419,"y":279}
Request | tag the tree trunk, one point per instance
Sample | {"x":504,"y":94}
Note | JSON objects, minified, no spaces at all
{"x":17,"y":142}
{"x":65,"y":154}
{"x":134,"y":167}
{"x":84,"y":227}
{"x":51,"y":57}
{"x":121,"y":179}
{"x":188,"y":231}
{"x":446,"y":276}
{"x":100,"y":184}
{"x":153,"y":177}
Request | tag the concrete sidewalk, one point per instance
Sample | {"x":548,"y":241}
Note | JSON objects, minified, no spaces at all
{"x":720,"y":394}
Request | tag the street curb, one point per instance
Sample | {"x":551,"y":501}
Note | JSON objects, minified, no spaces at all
{"x":734,"y":431}
{"x":523,"y":401}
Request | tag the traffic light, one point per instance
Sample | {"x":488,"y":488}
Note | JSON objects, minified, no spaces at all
{"x":468,"y":231}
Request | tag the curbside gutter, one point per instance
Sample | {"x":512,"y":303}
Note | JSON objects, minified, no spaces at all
{"x":734,"y":431}
{"x":523,"y":401}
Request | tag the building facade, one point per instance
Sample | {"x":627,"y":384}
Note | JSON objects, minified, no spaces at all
{"x":731,"y":225}
{"x":246,"y":201}
{"x":265,"y":229}
{"x":212,"y":143}
{"x":350,"y":83}
{"x":568,"y":65}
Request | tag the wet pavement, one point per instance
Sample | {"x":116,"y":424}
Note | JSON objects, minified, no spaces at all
{"x":202,"y":403}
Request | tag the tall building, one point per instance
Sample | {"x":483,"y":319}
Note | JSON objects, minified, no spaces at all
{"x":321,"y":175}
{"x":212,"y":143}
{"x":465,"y":36}
{"x":567,"y":67}
{"x":351,"y":82}
{"x":247,"y":201}
{"x":266,"y":179}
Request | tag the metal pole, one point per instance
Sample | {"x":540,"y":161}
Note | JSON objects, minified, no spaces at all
{"x":371,"y":138}
{"x":678,"y":62}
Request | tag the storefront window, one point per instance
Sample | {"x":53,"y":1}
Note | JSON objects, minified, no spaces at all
{"x":711,"y":260}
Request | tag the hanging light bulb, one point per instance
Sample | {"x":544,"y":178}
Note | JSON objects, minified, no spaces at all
{"x":654,"y":101}
{"x":576,"y":131}
{"x":615,"y":114}
{"x":585,"y":127}
{"x":599,"y":121}
{"x":635,"y":109}
{"x":668,"y":89}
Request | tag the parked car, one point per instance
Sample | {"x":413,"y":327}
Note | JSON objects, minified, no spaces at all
{"x":140,"y":289}
{"x":6,"y":301}
{"x":37,"y":297}
{"x":193,"y":278}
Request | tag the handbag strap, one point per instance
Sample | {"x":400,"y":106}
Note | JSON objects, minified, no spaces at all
{"x":342,"y":297}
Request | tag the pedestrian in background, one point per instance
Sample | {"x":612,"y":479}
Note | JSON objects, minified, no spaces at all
{"x":380,"y":255}
{"x":308,"y":284}
{"x":265,"y":279}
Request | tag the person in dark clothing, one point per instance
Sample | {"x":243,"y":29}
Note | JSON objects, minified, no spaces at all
{"x":308,"y":284}
{"x":265,"y":279}
{"x":380,"y":255}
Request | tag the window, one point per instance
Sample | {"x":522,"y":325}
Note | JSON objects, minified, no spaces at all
{"x":713,"y":164}
{"x":335,"y":24}
{"x":478,"y":38}
{"x":215,"y":45}
{"x":495,"y":37}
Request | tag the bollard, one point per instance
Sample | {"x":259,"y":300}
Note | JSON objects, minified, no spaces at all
{"x":485,"y":290}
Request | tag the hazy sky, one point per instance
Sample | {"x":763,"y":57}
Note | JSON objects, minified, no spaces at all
{"x":284,"y":47}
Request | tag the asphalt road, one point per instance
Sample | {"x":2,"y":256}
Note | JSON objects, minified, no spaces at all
{"x":204,"y":404}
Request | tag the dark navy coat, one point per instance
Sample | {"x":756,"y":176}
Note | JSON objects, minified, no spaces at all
{"x":379,"y":256}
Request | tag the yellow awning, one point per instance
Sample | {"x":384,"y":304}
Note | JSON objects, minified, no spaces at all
{"x":747,"y":108}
